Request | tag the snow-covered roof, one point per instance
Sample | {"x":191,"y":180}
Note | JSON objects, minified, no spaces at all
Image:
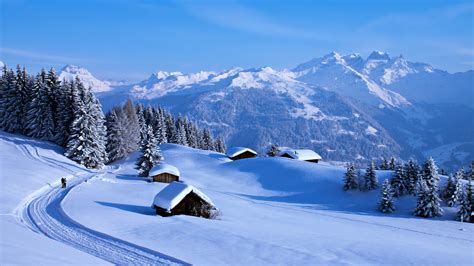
{"x":163,"y":168}
{"x":301,"y":154}
{"x":174,"y":193}
{"x":234,"y":151}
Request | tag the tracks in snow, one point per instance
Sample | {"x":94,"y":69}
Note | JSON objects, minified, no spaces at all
{"x":42,"y":212}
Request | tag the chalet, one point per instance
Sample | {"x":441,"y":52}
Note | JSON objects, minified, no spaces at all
{"x":179,"y":198}
{"x":164,"y":173}
{"x":237,"y":153}
{"x":300,"y":154}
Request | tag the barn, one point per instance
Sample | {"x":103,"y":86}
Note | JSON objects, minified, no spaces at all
{"x":301,"y":155}
{"x":179,"y":198}
{"x":237,"y":153}
{"x":165,"y":173}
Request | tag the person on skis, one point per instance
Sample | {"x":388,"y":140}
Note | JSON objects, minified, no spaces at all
{"x":63,"y":182}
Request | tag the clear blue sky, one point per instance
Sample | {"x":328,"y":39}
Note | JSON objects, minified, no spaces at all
{"x":129,"y":39}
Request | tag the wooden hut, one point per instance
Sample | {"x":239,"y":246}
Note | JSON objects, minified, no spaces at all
{"x":165,"y":173}
{"x":300,"y":154}
{"x":179,"y":198}
{"x":237,"y":153}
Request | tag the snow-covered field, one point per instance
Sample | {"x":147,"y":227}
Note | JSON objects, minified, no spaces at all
{"x":274,"y":211}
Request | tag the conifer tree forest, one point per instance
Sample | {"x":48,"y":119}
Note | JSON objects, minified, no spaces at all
{"x":68,"y":114}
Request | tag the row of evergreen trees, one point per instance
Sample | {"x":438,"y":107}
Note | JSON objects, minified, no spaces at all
{"x":68,"y":114}
{"x":422,"y":182}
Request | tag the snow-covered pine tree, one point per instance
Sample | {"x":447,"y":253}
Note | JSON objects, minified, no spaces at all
{"x":207,"y":139}
{"x":161,"y":130}
{"x":464,"y":210}
{"x":133,"y":127}
{"x":171,"y":131}
{"x":55,"y":95}
{"x":370,"y":177}
{"x":11,"y":105}
{"x":116,"y":122}
{"x":384,"y":164}
{"x":350,"y":178}
{"x":450,"y":189}
{"x":457,"y":195}
{"x":428,"y":201}
{"x":150,"y":153}
{"x":411,"y":176}
{"x":398,"y":181}
{"x":65,"y":115}
{"x":191,"y":134}
{"x":87,"y":139}
{"x":392,"y":164}
{"x":180,"y":132}
{"x":220,"y":145}
{"x":40,"y":116}
{"x":429,"y":173}
{"x":273,"y":150}
{"x":386,"y":204}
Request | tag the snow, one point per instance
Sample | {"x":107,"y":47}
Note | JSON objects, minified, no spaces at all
{"x":174,"y":193}
{"x":70,"y":72}
{"x":234,"y":151}
{"x":163,"y":168}
{"x":274,"y":211}
{"x":370,"y":130}
{"x":300,"y":154}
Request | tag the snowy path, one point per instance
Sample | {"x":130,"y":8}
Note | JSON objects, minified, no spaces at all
{"x":42,"y":213}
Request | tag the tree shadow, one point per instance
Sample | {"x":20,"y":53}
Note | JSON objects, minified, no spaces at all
{"x":146,"y":210}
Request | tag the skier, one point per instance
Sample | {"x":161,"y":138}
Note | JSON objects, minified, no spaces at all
{"x":63,"y":182}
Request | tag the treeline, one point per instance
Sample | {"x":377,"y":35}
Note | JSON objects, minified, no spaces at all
{"x":68,"y":114}
{"x":422,"y":182}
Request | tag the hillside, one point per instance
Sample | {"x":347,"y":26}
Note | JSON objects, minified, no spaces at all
{"x":274,"y":210}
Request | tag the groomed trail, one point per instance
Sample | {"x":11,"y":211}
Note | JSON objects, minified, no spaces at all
{"x":42,"y":213}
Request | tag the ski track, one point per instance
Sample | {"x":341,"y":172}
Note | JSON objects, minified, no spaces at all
{"x":42,"y":213}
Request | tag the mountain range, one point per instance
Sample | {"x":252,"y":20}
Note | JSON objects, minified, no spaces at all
{"x":343,"y":106}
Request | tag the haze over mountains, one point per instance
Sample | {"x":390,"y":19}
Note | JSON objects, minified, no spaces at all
{"x":344,"y":106}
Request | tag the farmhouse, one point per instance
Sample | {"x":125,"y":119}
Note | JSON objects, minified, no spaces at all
{"x":300,"y":154}
{"x":179,"y":198}
{"x":165,"y":173}
{"x":237,"y":153}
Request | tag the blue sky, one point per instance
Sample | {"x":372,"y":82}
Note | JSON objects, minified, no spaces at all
{"x":126,"y":39}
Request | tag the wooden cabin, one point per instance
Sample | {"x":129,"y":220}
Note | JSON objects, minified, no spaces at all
{"x":237,"y":153}
{"x":164,"y":173}
{"x":301,"y":155}
{"x":179,"y":198}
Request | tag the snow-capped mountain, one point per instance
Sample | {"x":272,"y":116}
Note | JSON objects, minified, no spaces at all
{"x":70,"y":72}
{"x":342,"y":106}
{"x":335,"y":73}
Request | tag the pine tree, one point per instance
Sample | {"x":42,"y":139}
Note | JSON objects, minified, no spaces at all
{"x":133,"y":127}
{"x":181,"y":132}
{"x":55,"y":94}
{"x":171,"y":129}
{"x":392,"y":164}
{"x":150,"y":154}
{"x":40,"y":116}
{"x":220,"y":145}
{"x":384,"y":164}
{"x":398,"y":182}
{"x":273,"y":150}
{"x":464,"y":210}
{"x":116,"y":122}
{"x":450,"y":190}
{"x":429,"y":173}
{"x":65,"y":115}
{"x":370,"y":178}
{"x":457,"y":195}
{"x":10,"y":103}
{"x":23,"y":83}
{"x":386,"y":204}
{"x":87,"y":139}
{"x":428,"y":202}
{"x":191,"y":134}
{"x":411,"y":176}
{"x":350,"y":178}
{"x":207,"y":139}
